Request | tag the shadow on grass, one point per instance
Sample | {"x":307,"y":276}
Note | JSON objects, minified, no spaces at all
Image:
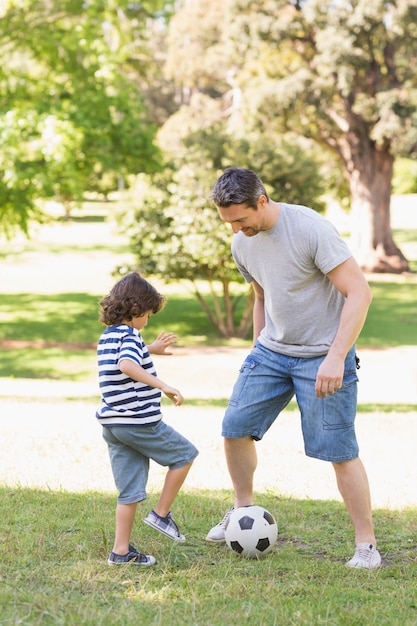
{"x":54,"y":565}
{"x":40,"y":334}
{"x":73,"y":318}
{"x":302,"y":523}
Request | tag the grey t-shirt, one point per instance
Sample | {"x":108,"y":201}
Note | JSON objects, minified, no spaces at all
{"x":290,"y":261}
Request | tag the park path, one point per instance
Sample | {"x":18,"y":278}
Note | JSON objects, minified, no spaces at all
{"x":56,"y":443}
{"x":51,"y":442}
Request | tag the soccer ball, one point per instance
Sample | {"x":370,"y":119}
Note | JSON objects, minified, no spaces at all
{"x":251,"y":532}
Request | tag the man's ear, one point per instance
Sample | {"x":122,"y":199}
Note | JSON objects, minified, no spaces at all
{"x":262,"y":202}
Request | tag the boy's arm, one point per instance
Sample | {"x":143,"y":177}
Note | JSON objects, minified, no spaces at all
{"x":136,"y":372}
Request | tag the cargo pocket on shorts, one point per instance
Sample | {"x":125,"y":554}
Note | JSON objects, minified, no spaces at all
{"x":339,"y":410}
{"x":248,"y":365}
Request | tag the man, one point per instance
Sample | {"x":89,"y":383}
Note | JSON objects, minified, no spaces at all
{"x":311,"y":301}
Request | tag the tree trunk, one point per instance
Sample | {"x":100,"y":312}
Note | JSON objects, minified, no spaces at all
{"x":369,"y":170}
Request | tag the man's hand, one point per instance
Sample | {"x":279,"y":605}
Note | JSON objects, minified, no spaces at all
{"x":329,"y":376}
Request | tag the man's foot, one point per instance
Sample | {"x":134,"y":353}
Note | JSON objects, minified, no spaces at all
{"x":164,"y":525}
{"x":366,"y":556}
{"x":216,"y":534}
{"x":133,"y":556}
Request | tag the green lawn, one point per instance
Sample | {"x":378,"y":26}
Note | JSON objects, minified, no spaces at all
{"x":52,"y":333}
{"x":54,"y":544}
{"x":54,"y":547}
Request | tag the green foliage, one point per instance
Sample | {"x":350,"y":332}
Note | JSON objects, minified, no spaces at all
{"x":346,"y":67}
{"x":55,"y":546}
{"x":174,"y":214}
{"x":336,"y":73}
{"x":72,"y":117}
{"x":175,"y":218}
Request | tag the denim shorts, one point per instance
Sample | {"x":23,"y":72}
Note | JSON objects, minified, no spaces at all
{"x":267,"y":382}
{"x":132,"y":447}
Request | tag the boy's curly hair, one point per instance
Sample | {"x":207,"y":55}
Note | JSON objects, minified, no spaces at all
{"x":131,"y":297}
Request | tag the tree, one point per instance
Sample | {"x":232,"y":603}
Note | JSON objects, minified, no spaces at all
{"x":344,"y":74}
{"x":72,"y":115}
{"x":177,"y":231}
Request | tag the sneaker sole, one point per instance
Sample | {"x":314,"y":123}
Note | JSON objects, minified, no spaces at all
{"x":134,"y":563}
{"x":211,"y":540}
{"x":163,"y":532}
{"x":358,"y":566}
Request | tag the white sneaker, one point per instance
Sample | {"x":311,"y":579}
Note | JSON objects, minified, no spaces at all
{"x":216,"y":534}
{"x":366,"y":556}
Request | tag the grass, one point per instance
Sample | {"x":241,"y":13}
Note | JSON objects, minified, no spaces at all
{"x":54,"y":544}
{"x":54,"y":335}
{"x":54,"y":547}
{"x":392,"y":316}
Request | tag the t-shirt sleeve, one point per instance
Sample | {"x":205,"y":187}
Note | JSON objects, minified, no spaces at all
{"x":327,"y":248}
{"x":239,"y":264}
{"x":131,"y":350}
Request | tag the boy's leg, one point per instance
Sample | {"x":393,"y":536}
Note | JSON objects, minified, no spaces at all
{"x":174,"y":480}
{"x":125,"y":517}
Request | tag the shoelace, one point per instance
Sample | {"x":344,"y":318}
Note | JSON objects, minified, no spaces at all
{"x":172,"y":523}
{"x":225,"y":519}
{"x":364,"y":554}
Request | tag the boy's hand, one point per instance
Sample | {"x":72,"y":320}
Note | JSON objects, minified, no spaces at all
{"x":162,"y":342}
{"x":173,"y":394}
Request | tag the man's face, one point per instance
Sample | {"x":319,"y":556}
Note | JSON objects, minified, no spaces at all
{"x":248,"y":220}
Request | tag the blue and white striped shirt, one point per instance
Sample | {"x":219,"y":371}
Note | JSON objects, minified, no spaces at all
{"x":125,"y":401}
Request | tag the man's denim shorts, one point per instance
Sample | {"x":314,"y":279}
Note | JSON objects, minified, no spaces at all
{"x":267,"y":382}
{"x":131,"y":448}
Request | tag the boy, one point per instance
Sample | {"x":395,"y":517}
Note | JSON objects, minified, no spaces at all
{"x":130,"y":413}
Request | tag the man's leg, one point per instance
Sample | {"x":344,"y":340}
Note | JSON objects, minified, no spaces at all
{"x":241,"y":460}
{"x":353,"y":485}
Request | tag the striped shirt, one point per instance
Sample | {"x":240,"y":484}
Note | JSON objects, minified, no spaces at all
{"x":125,"y":401}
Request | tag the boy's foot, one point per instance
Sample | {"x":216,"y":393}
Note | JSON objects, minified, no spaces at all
{"x":165,"y":525}
{"x":366,"y":556}
{"x":133,"y":556}
{"x":216,"y":534}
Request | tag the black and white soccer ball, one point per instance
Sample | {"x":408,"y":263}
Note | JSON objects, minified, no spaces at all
{"x":251,"y":532}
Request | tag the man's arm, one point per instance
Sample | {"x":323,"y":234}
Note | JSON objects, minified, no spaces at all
{"x":350,"y":281}
{"x":258,"y":311}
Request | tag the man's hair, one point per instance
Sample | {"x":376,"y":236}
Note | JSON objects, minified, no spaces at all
{"x":131,"y":297}
{"x":238,"y":185}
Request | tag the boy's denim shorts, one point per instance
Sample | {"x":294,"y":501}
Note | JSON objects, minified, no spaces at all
{"x":131,"y":448}
{"x":267,"y":382}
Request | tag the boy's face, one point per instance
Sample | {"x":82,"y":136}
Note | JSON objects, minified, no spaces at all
{"x":141,"y":321}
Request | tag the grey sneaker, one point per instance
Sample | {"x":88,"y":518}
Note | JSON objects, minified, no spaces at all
{"x":133,"y":556}
{"x":366,"y":556}
{"x":216,"y":534}
{"x":165,"y":525}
